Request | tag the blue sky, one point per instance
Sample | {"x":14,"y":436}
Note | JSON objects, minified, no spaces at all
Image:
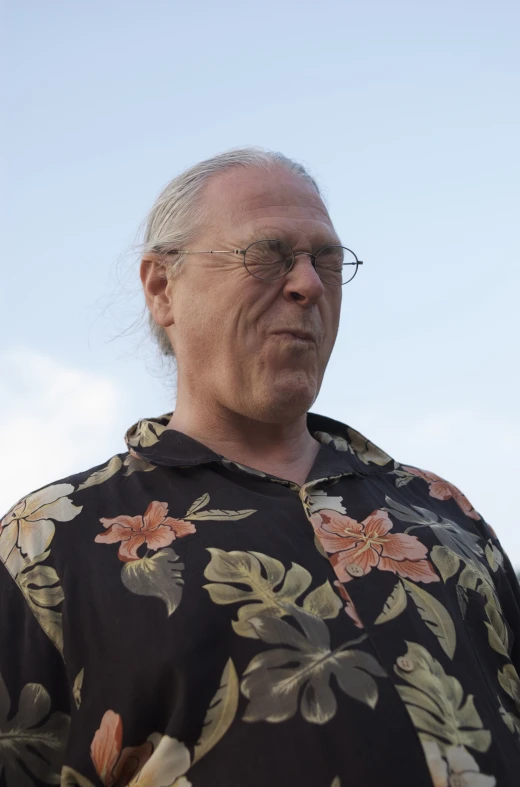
{"x":407,"y":114}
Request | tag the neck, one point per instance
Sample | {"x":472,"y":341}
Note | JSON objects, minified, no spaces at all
{"x":286,"y":450}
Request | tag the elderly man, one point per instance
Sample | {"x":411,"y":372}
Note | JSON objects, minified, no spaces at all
{"x":253,"y":595}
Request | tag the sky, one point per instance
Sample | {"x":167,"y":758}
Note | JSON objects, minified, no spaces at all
{"x":407,"y":114}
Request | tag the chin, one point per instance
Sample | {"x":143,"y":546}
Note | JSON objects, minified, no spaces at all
{"x":283,"y":404}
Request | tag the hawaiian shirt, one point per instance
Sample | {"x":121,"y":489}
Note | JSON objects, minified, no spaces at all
{"x":172,"y":618}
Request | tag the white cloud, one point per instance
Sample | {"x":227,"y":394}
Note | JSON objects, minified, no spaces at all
{"x":56,"y":420}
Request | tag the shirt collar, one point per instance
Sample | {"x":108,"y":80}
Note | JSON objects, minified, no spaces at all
{"x":344,"y":450}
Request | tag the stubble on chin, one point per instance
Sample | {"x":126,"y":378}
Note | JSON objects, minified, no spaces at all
{"x":285,"y":397}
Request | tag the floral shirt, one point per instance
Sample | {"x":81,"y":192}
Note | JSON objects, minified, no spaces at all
{"x":173,"y":618}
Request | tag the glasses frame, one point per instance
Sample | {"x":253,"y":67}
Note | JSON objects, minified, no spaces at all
{"x":295,"y":254}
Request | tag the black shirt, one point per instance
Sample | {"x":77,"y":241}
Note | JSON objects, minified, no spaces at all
{"x":174,"y":618}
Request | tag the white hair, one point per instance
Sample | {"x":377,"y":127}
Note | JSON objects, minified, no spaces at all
{"x":178,"y":213}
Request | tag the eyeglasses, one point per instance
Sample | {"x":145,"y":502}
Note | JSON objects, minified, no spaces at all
{"x":272,"y":259}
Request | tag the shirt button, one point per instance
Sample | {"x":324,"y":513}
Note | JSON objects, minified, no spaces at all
{"x":405,"y":664}
{"x":354,"y":570}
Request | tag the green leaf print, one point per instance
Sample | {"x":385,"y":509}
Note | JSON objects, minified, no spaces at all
{"x":220,"y":515}
{"x":280,"y":681}
{"x":435,"y":702}
{"x":493,"y":556}
{"x":511,"y":721}
{"x":200,"y":502}
{"x":272,"y":588}
{"x":510,"y":682}
{"x":158,"y":575}
{"x":366,"y":450}
{"x":145,"y":433}
{"x":323,"y":602}
{"x":394,"y":604}
{"x":25,"y":740}
{"x":498,"y":635}
{"x":100,"y":476}
{"x":39,"y":586}
{"x":77,"y":686}
{"x":136,"y":464}
{"x":403,"y":477}
{"x":220,"y":713}
{"x":270,"y":585}
{"x":473,"y":580}
{"x":435,"y":615}
{"x":217,"y":514}
{"x":446,"y":561}
{"x":476,"y":577}
{"x":451,"y":535}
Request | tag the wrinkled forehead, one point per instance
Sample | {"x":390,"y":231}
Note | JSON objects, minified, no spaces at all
{"x":246,"y":200}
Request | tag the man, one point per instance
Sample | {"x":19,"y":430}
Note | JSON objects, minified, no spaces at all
{"x":254,"y":595}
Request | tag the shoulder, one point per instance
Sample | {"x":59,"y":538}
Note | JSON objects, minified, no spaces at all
{"x":438,"y":488}
{"x":28,"y":527}
{"x":53,"y":491}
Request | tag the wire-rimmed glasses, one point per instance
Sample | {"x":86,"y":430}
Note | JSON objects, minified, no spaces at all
{"x":271,"y":259}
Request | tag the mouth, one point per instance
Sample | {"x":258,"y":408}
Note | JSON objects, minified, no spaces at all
{"x":298,"y":335}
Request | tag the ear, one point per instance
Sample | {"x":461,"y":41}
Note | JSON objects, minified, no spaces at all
{"x":157,"y":288}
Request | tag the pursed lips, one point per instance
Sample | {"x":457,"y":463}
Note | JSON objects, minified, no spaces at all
{"x":296,"y":334}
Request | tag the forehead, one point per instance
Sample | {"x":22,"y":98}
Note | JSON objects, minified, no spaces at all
{"x":248,"y":201}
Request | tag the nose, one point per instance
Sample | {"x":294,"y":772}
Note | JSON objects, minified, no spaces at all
{"x":302,"y":283}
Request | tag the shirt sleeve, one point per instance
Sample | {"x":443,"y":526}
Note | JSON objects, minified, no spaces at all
{"x":508,"y":587}
{"x":34,"y":695}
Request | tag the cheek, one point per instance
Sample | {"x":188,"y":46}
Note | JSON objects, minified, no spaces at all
{"x":213,"y":328}
{"x":194,"y":329}
{"x":330,"y":318}
{"x":252,"y":314}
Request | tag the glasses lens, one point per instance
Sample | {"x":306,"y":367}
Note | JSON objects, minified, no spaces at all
{"x":336,"y":265}
{"x":268,"y":259}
